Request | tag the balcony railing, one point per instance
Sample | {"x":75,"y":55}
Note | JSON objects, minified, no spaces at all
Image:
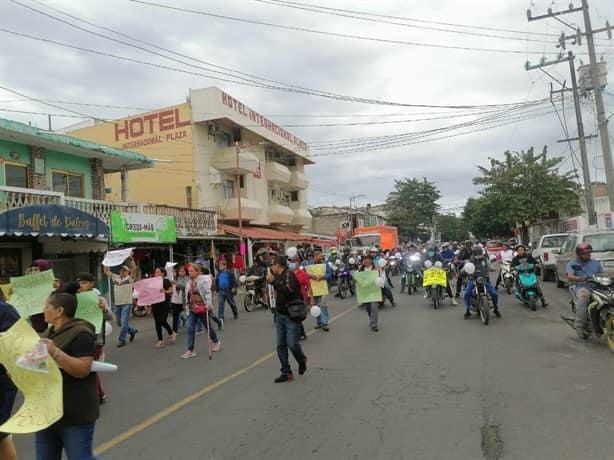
{"x":189,"y":222}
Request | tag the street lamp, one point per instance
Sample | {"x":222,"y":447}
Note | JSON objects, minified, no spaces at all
{"x":242,"y":249}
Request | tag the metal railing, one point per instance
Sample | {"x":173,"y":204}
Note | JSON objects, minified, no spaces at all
{"x":189,"y":222}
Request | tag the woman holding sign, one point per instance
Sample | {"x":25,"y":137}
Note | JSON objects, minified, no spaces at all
{"x":368,"y":290}
{"x":160,"y":310}
{"x":71,"y":343}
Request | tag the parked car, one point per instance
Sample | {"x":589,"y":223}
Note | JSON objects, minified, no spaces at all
{"x":546,"y":252}
{"x":602,"y":242}
{"x":493,"y":248}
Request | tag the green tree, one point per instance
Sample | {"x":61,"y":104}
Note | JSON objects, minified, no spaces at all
{"x":480,"y":217}
{"x":411,"y":207}
{"x":522,"y":187}
{"x":451,"y":228}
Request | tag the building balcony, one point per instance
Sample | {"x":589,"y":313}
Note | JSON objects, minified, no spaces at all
{"x":298,"y":181}
{"x":279,"y":214}
{"x":189,"y":222}
{"x":225,"y":160}
{"x":277,"y":173}
{"x":302,"y":218}
{"x":250,"y":209}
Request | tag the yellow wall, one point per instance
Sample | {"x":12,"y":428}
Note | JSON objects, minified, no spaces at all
{"x":164,"y":134}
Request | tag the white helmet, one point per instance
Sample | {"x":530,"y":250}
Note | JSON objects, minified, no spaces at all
{"x":438,"y":264}
{"x":428,"y":264}
{"x":469,"y":268}
{"x":351,"y":261}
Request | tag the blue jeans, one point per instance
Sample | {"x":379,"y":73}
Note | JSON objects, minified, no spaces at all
{"x":321,"y":320}
{"x":122,"y":316}
{"x":582,"y":296}
{"x":489,"y":288}
{"x":288,"y":334}
{"x":192,"y":319}
{"x":76,"y":440}
{"x":223,"y":296}
{"x":371,"y":309}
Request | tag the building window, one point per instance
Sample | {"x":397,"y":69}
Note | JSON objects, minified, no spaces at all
{"x":291,"y":161}
{"x":293,"y":196}
{"x":227,"y":189}
{"x":16,"y":175}
{"x":242,"y":181}
{"x":70,"y":184}
{"x":223,"y":140}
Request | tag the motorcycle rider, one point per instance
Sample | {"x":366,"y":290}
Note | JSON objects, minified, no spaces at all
{"x":580,"y":288}
{"x":259,"y":269}
{"x":481,"y":269}
{"x":334,"y":255}
{"x":522,"y":257}
{"x":432,"y":255}
{"x":507,"y":253}
{"x":447,"y":253}
{"x":464,"y":255}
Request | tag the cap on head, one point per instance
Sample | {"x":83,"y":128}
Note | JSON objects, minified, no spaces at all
{"x":85,"y":276}
{"x":42,"y":264}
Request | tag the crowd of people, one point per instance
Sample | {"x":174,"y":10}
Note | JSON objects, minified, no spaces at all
{"x":189,"y":296}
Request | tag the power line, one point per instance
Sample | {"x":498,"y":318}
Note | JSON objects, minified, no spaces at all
{"x":332,"y":34}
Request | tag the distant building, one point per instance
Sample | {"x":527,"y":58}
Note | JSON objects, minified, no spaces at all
{"x":341,"y":221}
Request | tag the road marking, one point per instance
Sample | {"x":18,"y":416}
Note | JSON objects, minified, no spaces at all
{"x":104,"y":447}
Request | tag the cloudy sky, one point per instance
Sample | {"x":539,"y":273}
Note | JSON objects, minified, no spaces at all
{"x":393,"y":66}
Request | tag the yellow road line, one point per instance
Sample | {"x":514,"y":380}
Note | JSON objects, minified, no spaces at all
{"x":194,"y":396}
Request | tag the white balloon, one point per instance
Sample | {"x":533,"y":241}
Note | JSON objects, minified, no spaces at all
{"x":315,"y":311}
{"x":398,"y":255}
{"x":382,"y":263}
{"x":428,"y":264}
{"x":438,"y":264}
{"x":291,"y":252}
{"x":107,"y":328}
{"x":135,"y":295}
{"x":242,"y":279}
{"x":352,"y":261}
{"x":469,"y":268}
{"x":380,"y":282}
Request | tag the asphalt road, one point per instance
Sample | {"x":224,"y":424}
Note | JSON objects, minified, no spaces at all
{"x":428,"y":385}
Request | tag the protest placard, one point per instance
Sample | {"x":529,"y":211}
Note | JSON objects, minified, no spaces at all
{"x":31,"y":291}
{"x":88,"y":309}
{"x":148,"y":291}
{"x":435,"y":276}
{"x":366,"y":288}
{"x":319,"y":288}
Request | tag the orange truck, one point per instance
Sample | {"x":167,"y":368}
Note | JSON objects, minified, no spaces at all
{"x":382,"y":236}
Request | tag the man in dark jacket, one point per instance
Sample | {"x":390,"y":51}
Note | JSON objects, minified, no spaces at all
{"x":226,"y":288}
{"x":287,"y":289}
{"x":8,"y":390}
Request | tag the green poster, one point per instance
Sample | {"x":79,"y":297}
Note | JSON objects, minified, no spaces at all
{"x":88,"y":309}
{"x":142,"y":228}
{"x":31,"y":291}
{"x":366,"y":289}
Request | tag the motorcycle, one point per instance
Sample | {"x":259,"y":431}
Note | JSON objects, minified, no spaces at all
{"x":600,"y":308}
{"x":253,"y":295}
{"x":527,"y":290}
{"x":434,"y":280}
{"x":411,"y":275}
{"x":480,"y":300}
{"x":393,"y":266}
{"x":140,"y":311}
{"x":507,"y":275}
{"x":345,"y":282}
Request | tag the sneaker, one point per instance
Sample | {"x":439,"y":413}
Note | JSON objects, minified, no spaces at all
{"x":284,"y":378}
{"x":325,"y":327}
{"x":467,"y":315}
{"x":497,"y":313}
{"x":201,"y":332}
{"x":216,"y":346}
{"x":172,"y":338}
{"x":102,"y":399}
{"x":132,"y":334}
{"x":221,"y":324}
{"x":426,"y":295}
{"x":302,"y":367}
{"x":374,"y":328}
{"x":457,"y":295}
{"x":121,"y":344}
{"x":453,"y":301}
{"x":317,"y":326}
{"x":394,"y":304}
{"x":188,"y":354}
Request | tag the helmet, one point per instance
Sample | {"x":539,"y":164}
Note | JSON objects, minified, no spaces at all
{"x":333,"y":251}
{"x":477,"y":252}
{"x":373,"y":249}
{"x":521,"y":246}
{"x":438,"y":264}
{"x":445,"y":245}
{"x":309,"y":253}
{"x":468,"y":243}
{"x":583,"y":248}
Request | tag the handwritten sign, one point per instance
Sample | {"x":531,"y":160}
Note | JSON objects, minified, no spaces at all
{"x":7,"y":290}
{"x":42,"y":392}
{"x":367,"y":290}
{"x":31,"y":291}
{"x":88,"y":309}
{"x":148,"y":290}
{"x":115,"y":258}
{"x":435,"y":276}
{"x":319,"y":288}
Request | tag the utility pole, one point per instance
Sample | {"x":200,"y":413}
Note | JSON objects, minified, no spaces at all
{"x":588,"y":187}
{"x":577,"y":39}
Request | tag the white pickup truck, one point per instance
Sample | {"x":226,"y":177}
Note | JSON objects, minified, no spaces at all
{"x":547,"y":250}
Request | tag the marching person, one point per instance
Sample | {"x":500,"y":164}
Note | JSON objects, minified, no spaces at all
{"x":178,"y":299}
{"x":371,"y":307}
{"x":321,"y":300}
{"x":71,"y":343}
{"x":122,"y":293}
{"x":305,"y":281}
{"x":86,"y":284}
{"x":288,"y":289}
{"x":160,"y":310}
{"x":226,"y":288}
{"x":8,"y":390}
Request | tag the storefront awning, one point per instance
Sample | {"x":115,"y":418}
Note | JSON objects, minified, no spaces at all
{"x":52,"y":220}
{"x":261,"y":233}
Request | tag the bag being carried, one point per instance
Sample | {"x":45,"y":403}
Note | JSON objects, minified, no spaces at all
{"x":198,"y":304}
{"x":297,"y":310}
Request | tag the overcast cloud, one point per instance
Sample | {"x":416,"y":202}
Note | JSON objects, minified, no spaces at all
{"x":394,"y":72}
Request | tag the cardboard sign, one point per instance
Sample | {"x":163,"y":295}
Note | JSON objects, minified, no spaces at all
{"x":89,"y":310}
{"x":319,"y":288}
{"x":31,"y":291}
{"x":148,"y":291}
{"x":366,"y":288}
{"x":435,"y":276}
{"x":115,"y":258}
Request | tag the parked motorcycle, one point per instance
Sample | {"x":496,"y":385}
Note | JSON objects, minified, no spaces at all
{"x":507,"y":275}
{"x":480,"y":302}
{"x":434,"y":280}
{"x":253,"y":295}
{"x":600,"y":308}
{"x":527,"y":290}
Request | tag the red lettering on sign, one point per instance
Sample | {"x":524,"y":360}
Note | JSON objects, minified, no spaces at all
{"x":167,"y":121}
{"x":123,"y":130}
{"x":136,"y":127}
{"x":150,"y":118}
{"x":178,"y":122}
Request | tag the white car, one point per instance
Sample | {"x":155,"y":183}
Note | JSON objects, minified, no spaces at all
{"x":546,"y":253}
